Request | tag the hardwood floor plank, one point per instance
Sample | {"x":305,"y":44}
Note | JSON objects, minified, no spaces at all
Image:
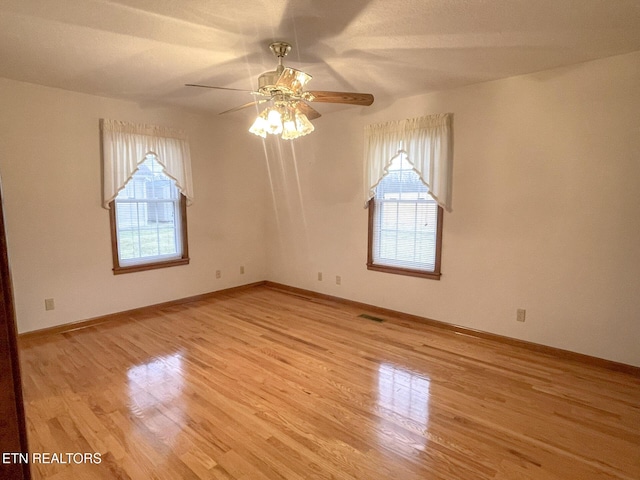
{"x":262,"y":384}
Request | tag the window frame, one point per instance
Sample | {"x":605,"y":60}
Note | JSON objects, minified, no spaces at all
{"x":435,"y":275}
{"x":140,"y":267}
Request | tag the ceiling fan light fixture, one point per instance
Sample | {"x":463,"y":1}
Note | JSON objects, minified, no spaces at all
{"x":289,"y":129}
{"x":260,"y":125}
{"x":304,"y":126}
{"x":290,"y":113}
{"x":284,"y":119}
{"x":274,"y":121}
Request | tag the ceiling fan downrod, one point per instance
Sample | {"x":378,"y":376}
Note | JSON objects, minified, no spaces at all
{"x":280,"y":50}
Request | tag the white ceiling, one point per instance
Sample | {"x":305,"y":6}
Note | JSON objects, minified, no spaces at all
{"x":145,"y":50}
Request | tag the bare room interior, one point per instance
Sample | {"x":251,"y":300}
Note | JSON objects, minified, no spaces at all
{"x":207,"y":266}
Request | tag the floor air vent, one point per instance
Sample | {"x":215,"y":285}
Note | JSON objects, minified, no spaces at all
{"x":371,"y":317}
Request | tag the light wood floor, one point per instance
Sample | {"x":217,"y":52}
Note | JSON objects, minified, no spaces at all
{"x":260,"y":384}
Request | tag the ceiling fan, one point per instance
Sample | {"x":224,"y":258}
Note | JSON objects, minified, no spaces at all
{"x":291,"y":112}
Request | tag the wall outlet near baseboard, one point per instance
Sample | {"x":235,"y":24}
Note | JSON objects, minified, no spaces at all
{"x":521,"y":313}
{"x":218,"y":274}
{"x":338,"y":280}
{"x":319,"y":276}
{"x":241,"y":269}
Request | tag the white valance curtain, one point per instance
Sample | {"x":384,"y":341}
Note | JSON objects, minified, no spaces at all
{"x":427,"y":143}
{"x":125,"y":145}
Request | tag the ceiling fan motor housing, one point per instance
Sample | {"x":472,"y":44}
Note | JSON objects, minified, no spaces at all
{"x":267,"y":82}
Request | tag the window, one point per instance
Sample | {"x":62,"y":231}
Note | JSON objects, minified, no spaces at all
{"x":148,"y":221}
{"x":405,"y":224}
{"x":147,"y":186}
{"x":407,"y":180}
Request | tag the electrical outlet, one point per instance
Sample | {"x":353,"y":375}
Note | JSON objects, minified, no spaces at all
{"x":521,"y":314}
{"x":48,"y":304}
{"x":319,"y":276}
{"x":218,"y":274}
{"x":338,"y":280}
{"x":241,"y":269}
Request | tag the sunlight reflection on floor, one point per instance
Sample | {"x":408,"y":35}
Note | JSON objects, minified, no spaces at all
{"x":155,"y":396}
{"x":403,"y":396}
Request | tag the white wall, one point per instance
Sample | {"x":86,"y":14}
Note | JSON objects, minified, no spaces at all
{"x":546,"y":209}
{"x":58,"y":234}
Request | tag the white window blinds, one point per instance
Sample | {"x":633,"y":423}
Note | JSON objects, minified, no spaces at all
{"x":148,"y":220}
{"x":405,"y":221}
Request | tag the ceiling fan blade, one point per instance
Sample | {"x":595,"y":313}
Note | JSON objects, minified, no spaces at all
{"x":351,"y":98}
{"x":310,"y":112}
{"x":293,"y":79}
{"x":235,"y":109}
{"x":217,"y":88}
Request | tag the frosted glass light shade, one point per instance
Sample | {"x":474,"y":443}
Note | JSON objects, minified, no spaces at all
{"x":260,"y":126}
{"x":274,"y":122}
{"x":283,"y":119}
{"x":304,"y":125}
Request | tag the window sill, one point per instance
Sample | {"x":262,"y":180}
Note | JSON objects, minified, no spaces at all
{"x":403,"y":271}
{"x":150,"y":266}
